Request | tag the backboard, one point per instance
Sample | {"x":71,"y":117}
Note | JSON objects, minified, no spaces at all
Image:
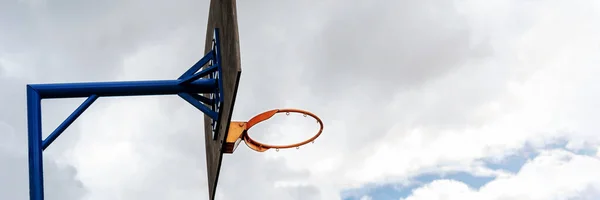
{"x":223,"y":16}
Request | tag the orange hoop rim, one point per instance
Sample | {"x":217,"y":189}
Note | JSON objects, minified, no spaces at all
{"x":268,"y":114}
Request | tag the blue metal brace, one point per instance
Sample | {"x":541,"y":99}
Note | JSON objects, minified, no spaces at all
{"x":188,"y":86}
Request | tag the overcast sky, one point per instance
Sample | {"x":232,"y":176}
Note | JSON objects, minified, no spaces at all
{"x":421,"y":100}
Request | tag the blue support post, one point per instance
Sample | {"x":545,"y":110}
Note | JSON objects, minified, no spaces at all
{"x":187,"y":86}
{"x":34,"y":133}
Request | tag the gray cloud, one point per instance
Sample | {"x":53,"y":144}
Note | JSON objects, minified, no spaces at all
{"x":249,"y":175}
{"x":392,"y":45}
{"x":60,"y":181}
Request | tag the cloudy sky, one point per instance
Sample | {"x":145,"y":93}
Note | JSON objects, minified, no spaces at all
{"x":421,"y":100}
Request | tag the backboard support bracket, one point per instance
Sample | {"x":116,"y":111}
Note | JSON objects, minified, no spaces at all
{"x":204,"y":77}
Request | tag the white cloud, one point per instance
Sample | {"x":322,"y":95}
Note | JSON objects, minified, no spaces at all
{"x":366,"y":198}
{"x":554,"y":174}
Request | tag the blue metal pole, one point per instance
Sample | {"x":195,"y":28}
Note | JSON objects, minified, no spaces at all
{"x":123,"y":88}
{"x":34,"y":127}
{"x":85,"y":105}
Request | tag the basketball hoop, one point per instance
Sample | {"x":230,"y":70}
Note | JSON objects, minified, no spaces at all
{"x":238,"y":131}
